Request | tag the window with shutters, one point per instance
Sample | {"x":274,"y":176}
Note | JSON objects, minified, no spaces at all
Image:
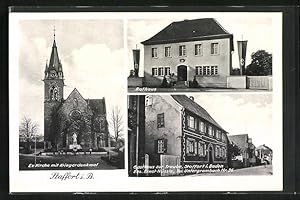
{"x":199,"y":70}
{"x":160,"y":146}
{"x":190,"y":146}
{"x":167,"y":51}
{"x":160,"y":120}
{"x":198,"y":49}
{"x":154,"y":71}
{"x":167,"y":71}
{"x":210,"y":131}
{"x":201,"y":148}
{"x":154,"y":53}
{"x":202,"y":127}
{"x":182,"y":50}
{"x":191,"y":122}
{"x":214,"y":48}
{"x":160,"y":71}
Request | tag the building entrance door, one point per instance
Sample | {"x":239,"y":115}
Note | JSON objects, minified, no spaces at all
{"x":100,"y":142}
{"x":210,"y":155}
{"x":182,"y":73}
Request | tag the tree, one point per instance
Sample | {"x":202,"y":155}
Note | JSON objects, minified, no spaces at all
{"x":28,"y":132}
{"x":116,"y":122}
{"x":261,"y":64}
{"x":233,"y":151}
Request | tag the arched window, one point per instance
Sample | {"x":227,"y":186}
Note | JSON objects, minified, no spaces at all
{"x":55,"y":96}
{"x":53,"y":93}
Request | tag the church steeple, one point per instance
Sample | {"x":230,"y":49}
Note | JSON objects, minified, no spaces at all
{"x":54,"y":69}
{"x":54,"y":78}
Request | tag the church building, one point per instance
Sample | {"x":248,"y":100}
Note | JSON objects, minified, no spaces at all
{"x":199,"y":49}
{"x":74,"y":122}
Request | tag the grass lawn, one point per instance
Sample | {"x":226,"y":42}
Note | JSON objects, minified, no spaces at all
{"x":94,"y":160}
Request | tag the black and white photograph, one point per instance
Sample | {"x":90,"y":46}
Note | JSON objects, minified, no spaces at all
{"x":205,"y":52}
{"x":138,"y":101}
{"x":68,"y":119}
{"x":200,"y":135}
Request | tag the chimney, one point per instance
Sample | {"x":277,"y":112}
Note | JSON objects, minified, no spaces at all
{"x":192,"y":98}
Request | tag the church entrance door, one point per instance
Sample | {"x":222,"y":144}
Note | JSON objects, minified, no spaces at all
{"x":100,"y":142}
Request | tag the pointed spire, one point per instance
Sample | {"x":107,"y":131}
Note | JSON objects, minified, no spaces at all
{"x":46,"y":67}
{"x":54,"y":32}
{"x":54,"y":59}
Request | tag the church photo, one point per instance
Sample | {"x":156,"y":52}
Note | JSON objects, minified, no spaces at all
{"x":72,"y":115}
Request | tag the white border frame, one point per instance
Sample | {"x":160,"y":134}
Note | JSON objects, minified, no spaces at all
{"x":105,"y":180}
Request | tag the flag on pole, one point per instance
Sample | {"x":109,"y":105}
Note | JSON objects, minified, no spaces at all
{"x":136,"y":60}
{"x":242,"y":48}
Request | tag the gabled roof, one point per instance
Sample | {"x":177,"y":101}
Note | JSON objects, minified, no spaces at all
{"x":97,"y":106}
{"x":190,"y":30}
{"x":264,"y":147}
{"x":193,"y":107}
{"x":240,"y":140}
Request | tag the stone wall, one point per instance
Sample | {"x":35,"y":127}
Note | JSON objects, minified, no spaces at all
{"x":236,"y":82}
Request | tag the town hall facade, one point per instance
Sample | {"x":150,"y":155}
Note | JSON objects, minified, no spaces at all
{"x":74,"y":122}
{"x":199,"y":49}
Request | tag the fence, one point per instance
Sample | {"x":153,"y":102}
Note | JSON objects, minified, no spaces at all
{"x":260,"y":82}
{"x":170,"y":165}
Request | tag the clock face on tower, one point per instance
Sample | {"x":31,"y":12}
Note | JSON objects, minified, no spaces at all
{"x":52,"y":74}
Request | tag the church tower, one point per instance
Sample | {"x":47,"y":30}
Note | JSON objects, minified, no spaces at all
{"x":53,"y":94}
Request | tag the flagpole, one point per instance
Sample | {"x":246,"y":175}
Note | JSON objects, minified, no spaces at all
{"x":137,"y":135}
{"x":35,"y":149}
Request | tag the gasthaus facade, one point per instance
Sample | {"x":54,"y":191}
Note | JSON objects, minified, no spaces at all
{"x":184,"y":50}
{"x":177,"y":127}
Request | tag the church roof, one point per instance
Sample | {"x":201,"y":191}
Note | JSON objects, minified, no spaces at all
{"x":190,"y":30}
{"x":54,"y":62}
{"x":97,"y":106}
{"x":195,"y":108}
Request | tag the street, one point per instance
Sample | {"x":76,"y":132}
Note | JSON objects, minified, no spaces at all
{"x":258,"y":170}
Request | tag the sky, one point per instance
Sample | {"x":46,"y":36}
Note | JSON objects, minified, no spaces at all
{"x":242,"y":114}
{"x":92,"y":57}
{"x":256,"y":28}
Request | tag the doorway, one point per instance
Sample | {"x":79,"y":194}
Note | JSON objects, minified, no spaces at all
{"x":182,"y":73}
{"x":210,"y":155}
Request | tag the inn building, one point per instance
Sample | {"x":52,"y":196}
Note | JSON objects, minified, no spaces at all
{"x":178,"y":131}
{"x":188,"y":49}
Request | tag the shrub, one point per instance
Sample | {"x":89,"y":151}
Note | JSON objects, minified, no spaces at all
{"x":164,"y":83}
{"x":194,"y":83}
